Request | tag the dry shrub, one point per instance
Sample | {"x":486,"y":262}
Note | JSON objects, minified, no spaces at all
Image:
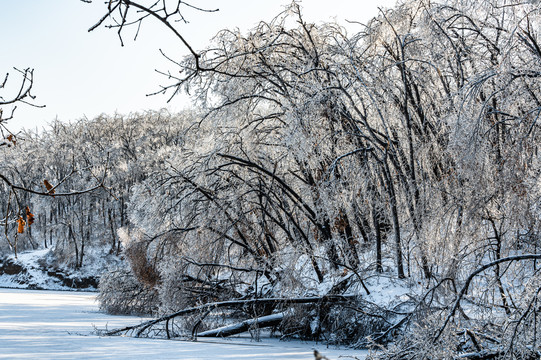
{"x":135,"y":250}
{"x":121,"y":293}
{"x":144,"y":271}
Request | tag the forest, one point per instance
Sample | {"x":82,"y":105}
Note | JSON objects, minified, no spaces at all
{"x":313,"y":166}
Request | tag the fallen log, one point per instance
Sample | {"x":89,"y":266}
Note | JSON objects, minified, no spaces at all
{"x":481,"y":355}
{"x":140,"y":328}
{"x":261,"y":322}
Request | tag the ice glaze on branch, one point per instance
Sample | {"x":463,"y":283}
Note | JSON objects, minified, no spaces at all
{"x":469,"y":280}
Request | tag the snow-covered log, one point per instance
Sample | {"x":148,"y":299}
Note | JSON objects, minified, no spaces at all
{"x":481,"y":355}
{"x":261,"y":322}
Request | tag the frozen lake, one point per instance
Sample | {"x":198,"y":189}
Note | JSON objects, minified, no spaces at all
{"x":59,"y":325}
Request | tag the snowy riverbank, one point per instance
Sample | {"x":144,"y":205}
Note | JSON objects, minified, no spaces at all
{"x":30,"y":270}
{"x":60,"y":325}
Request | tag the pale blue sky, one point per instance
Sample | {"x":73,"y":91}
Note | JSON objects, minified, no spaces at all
{"x":78,"y":73}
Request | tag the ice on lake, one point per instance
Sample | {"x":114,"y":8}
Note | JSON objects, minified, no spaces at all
{"x":60,"y":325}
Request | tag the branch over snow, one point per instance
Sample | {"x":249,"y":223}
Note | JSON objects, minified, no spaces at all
{"x":469,"y":280}
{"x":231,"y":304}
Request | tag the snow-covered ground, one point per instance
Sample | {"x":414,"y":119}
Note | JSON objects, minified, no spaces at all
{"x":60,"y":325}
{"x":37,"y":275}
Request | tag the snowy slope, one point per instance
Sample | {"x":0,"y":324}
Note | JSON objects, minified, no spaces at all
{"x":36,"y":274}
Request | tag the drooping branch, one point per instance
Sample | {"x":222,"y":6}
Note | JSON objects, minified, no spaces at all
{"x":51,"y":192}
{"x":289,"y":191}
